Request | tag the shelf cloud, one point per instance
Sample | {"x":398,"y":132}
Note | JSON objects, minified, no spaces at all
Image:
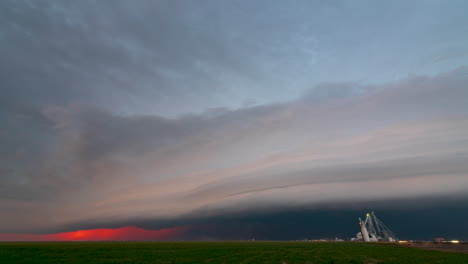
{"x":181,"y":113}
{"x":404,"y":139}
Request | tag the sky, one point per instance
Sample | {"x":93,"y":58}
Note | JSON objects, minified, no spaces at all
{"x":219,"y":120}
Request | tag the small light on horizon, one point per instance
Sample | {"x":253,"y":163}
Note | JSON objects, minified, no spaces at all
{"x":455,"y":241}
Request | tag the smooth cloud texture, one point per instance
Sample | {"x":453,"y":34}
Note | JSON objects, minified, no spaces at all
{"x":407,"y":139}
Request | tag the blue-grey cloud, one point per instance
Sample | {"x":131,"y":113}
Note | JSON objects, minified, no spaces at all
{"x":174,"y":57}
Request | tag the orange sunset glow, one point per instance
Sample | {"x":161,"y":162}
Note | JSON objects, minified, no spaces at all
{"x":119,"y":234}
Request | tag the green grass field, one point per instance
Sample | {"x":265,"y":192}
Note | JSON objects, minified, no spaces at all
{"x":220,"y":252}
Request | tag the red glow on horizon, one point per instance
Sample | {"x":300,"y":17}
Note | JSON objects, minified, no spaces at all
{"x":119,"y":234}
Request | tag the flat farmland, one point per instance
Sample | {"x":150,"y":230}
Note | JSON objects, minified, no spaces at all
{"x":220,"y":252}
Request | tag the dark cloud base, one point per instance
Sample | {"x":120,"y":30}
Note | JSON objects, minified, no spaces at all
{"x":418,"y":219}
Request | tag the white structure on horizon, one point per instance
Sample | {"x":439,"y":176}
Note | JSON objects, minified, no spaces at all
{"x":372,"y":230}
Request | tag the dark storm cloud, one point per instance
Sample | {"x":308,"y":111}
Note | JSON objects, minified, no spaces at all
{"x":418,"y":218}
{"x":408,"y":136}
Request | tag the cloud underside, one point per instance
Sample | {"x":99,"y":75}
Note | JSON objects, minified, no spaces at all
{"x":402,"y":140}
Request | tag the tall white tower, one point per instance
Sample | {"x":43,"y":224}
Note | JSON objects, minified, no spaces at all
{"x":365,"y":234}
